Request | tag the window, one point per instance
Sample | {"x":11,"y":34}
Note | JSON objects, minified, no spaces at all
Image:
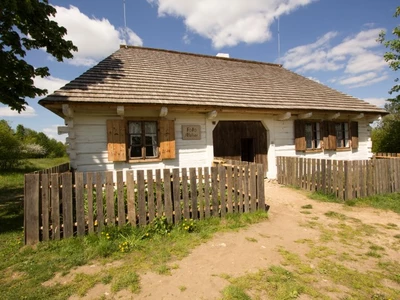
{"x":342,"y":135}
{"x":313,"y":135}
{"x":140,"y":140}
{"x":143,"y":139}
{"x":327,"y":135}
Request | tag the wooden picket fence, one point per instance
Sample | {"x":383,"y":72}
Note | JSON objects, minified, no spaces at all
{"x":57,"y":169}
{"x":386,"y":155}
{"x":63,"y":205}
{"x":342,"y":178}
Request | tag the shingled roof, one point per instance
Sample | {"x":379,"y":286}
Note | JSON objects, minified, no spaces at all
{"x":137,"y":75}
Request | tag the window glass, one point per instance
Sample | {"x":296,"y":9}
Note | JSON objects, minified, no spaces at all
{"x":308,"y":135}
{"x":143,"y":139}
{"x":135,"y":127}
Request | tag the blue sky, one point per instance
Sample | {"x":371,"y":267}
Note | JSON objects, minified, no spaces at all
{"x":330,"y":41}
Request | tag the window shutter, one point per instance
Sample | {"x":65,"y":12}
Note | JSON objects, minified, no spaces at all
{"x":329,"y":131}
{"x":299,"y":135}
{"x":354,"y":134}
{"x":116,"y":140}
{"x":167,"y":139}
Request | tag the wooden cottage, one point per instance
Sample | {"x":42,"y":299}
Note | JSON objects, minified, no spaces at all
{"x":144,"y":108}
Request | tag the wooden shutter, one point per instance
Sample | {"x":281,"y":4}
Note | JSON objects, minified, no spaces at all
{"x":167,"y":139}
{"x":300,"y":135}
{"x":354,"y":134}
{"x":116,"y":140}
{"x":329,"y":134}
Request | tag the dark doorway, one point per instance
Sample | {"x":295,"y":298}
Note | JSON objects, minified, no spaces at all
{"x":247,"y":150}
{"x":241,"y":140}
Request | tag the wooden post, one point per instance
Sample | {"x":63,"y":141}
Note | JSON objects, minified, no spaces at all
{"x":193,"y":188}
{"x":121,"y":200}
{"x":110,"y":198}
{"x":348,"y":180}
{"x":185,"y":194}
{"x":31,"y":209}
{"x":45,"y":207}
{"x":130,"y":194}
{"x":67,"y":205}
{"x":150,"y":195}
{"x":89,"y":181}
{"x":99,"y":201}
{"x":177,"y":195}
{"x":341,"y":180}
{"x":201,"y":192}
{"x":141,"y":198}
{"x":253,"y":187}
{"x":167,"y":195}
{"x":80,"y":214}
{"x":159,"y":193}
{"x":207,"y":192}
{"x":214,"y":186}
{"x":222,"y":180}
{"x":55,"y":207}
{"x":260,"y":187}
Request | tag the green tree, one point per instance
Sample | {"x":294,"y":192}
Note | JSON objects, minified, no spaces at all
{"x":26,"y":25}
{"x":386,"y":136}
{"x":393,"y":57}
{"x":10,"y":147}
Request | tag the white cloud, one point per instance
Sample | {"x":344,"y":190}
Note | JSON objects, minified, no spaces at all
{"x":229,"y":22}
{"x":313,"y":78}
{"x":380,"y":102}
{"x":52,"y":133}
{"x":49,"y":83}
{"x":29,"y":111}
{"x":94,"y":38}
{"x":355,"y":55}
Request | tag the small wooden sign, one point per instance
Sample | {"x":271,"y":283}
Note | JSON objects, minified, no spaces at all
{"x":191,"y":132}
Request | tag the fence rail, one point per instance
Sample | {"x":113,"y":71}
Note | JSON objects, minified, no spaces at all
{"x":386,"y":155}
{"x":62,"y":205}
{"x":57,"y":169}
{"x":344,"y":179}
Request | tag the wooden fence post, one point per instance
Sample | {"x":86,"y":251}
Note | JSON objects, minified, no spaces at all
{"x":55,"y":207}
{"x":348,"y":180}
{"x":167,"y":195}
{"x":150,"y":195}
{"x":45,"y":206}
{"x":193,"y":188}
{"x":130,"y":194}
{"x":260,"y":187}
{"x":121,"y":200}
{"x":79,"y":205}
{"x":67,"y":205}
{"x":31,"y":209}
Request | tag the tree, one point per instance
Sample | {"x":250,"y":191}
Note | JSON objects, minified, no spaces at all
{"x":393,"y":57}
{"x":10,"y":147}
{"x":386,"y":136}
{"x":26,"y":25}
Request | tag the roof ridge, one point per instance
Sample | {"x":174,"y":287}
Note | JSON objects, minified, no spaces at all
{"x":202,"y":55}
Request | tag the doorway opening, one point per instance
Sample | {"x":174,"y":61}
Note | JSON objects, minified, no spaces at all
{"x":247,"y":149}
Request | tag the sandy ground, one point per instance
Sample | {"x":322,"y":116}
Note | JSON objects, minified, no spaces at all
{"x":237,"y":253}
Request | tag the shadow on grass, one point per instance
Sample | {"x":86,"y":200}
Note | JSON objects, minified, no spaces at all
{"x":11,"y":209}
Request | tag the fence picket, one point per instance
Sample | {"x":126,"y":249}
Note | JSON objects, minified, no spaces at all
{"x":110,"y":198}
{"x":89,"y":182}
{"x":141,"y":198}
{"x":99,"y":201}
{"x":193,"y":194}
{"x":253,"y":187}
{"x":130,"y":194}
{"x":201,"y":193}
{"x":45,"y":206}
{"x":150,"y":195}
{"x":55,"y":207}
{"x":31,"y":207}
{"x":185,"y":194}
{"x":207,"y":192}
{"x":68,"y":225}
{"x":177,"y":195}
{"x":159,"y":193}
{"x":80,"y":214}
{"x":260,"y":187}
{"x":214,"y":186}
{"x":120,"y":197}
{"x":167,"y":195}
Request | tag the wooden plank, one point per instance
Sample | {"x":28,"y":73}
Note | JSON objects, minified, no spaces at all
{"x":141,"y":198}
{"x":348,"y":193}
{"x":167,"y":195}
{"x":99,"y":202}
{"x":45,"y":207}
{"x":55,"y":207}
{"x":300,"y":174}
{"x":214,"y":187}
{"x":236,"y":189}
{"x":313,"y":168}
{"x":329,"y":176}
{"x":177,"y":195}
{"x":246,"y":189}
{"x":159,"y":193}
{"x":185,"y":194}
{"x":150,"y":195}
{"x":260,"y":187}
{"x":130,"y":194}
{"x":31,"y":209}
{"x":193,"y":194}
{"x":323,"y":176}
{"x":110,"y":198}
{"x":120,"y":199}
{"x":68,"y":224}
{"x":355,"y":179}
{"x":222,"y":181}
{"x":253,"y":187}
{"x":335,"y":178}
{"x":201,"y":193}
{"x":89,"y":192}
{"x":340,"y":180}
{"x":80,"y":213}
{"x":284,"y":171}
{"x":207,"y":192}
{"x":229,"y":185}
{"x":370,"y":187}
{"x":318,"y":176}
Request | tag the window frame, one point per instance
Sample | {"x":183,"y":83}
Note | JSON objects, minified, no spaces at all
{"x":143,"y":144}
{"x":345,"y":143}
{"x":316,"y":138}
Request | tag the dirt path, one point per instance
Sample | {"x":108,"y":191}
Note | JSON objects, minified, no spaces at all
{"x":198,"y":276}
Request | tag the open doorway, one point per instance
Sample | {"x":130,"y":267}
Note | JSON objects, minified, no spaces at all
{"x":247,"y":149}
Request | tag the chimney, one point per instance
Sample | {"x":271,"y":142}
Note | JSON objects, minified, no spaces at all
{"x":226,"y":55}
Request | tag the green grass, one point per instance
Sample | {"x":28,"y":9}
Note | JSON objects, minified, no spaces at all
{"x":24,"y":269}
{"x":385,"y":202}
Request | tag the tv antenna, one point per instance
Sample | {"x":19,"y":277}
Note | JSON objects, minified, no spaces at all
{"x":279,"y":42}
{"x":125,"y":32}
